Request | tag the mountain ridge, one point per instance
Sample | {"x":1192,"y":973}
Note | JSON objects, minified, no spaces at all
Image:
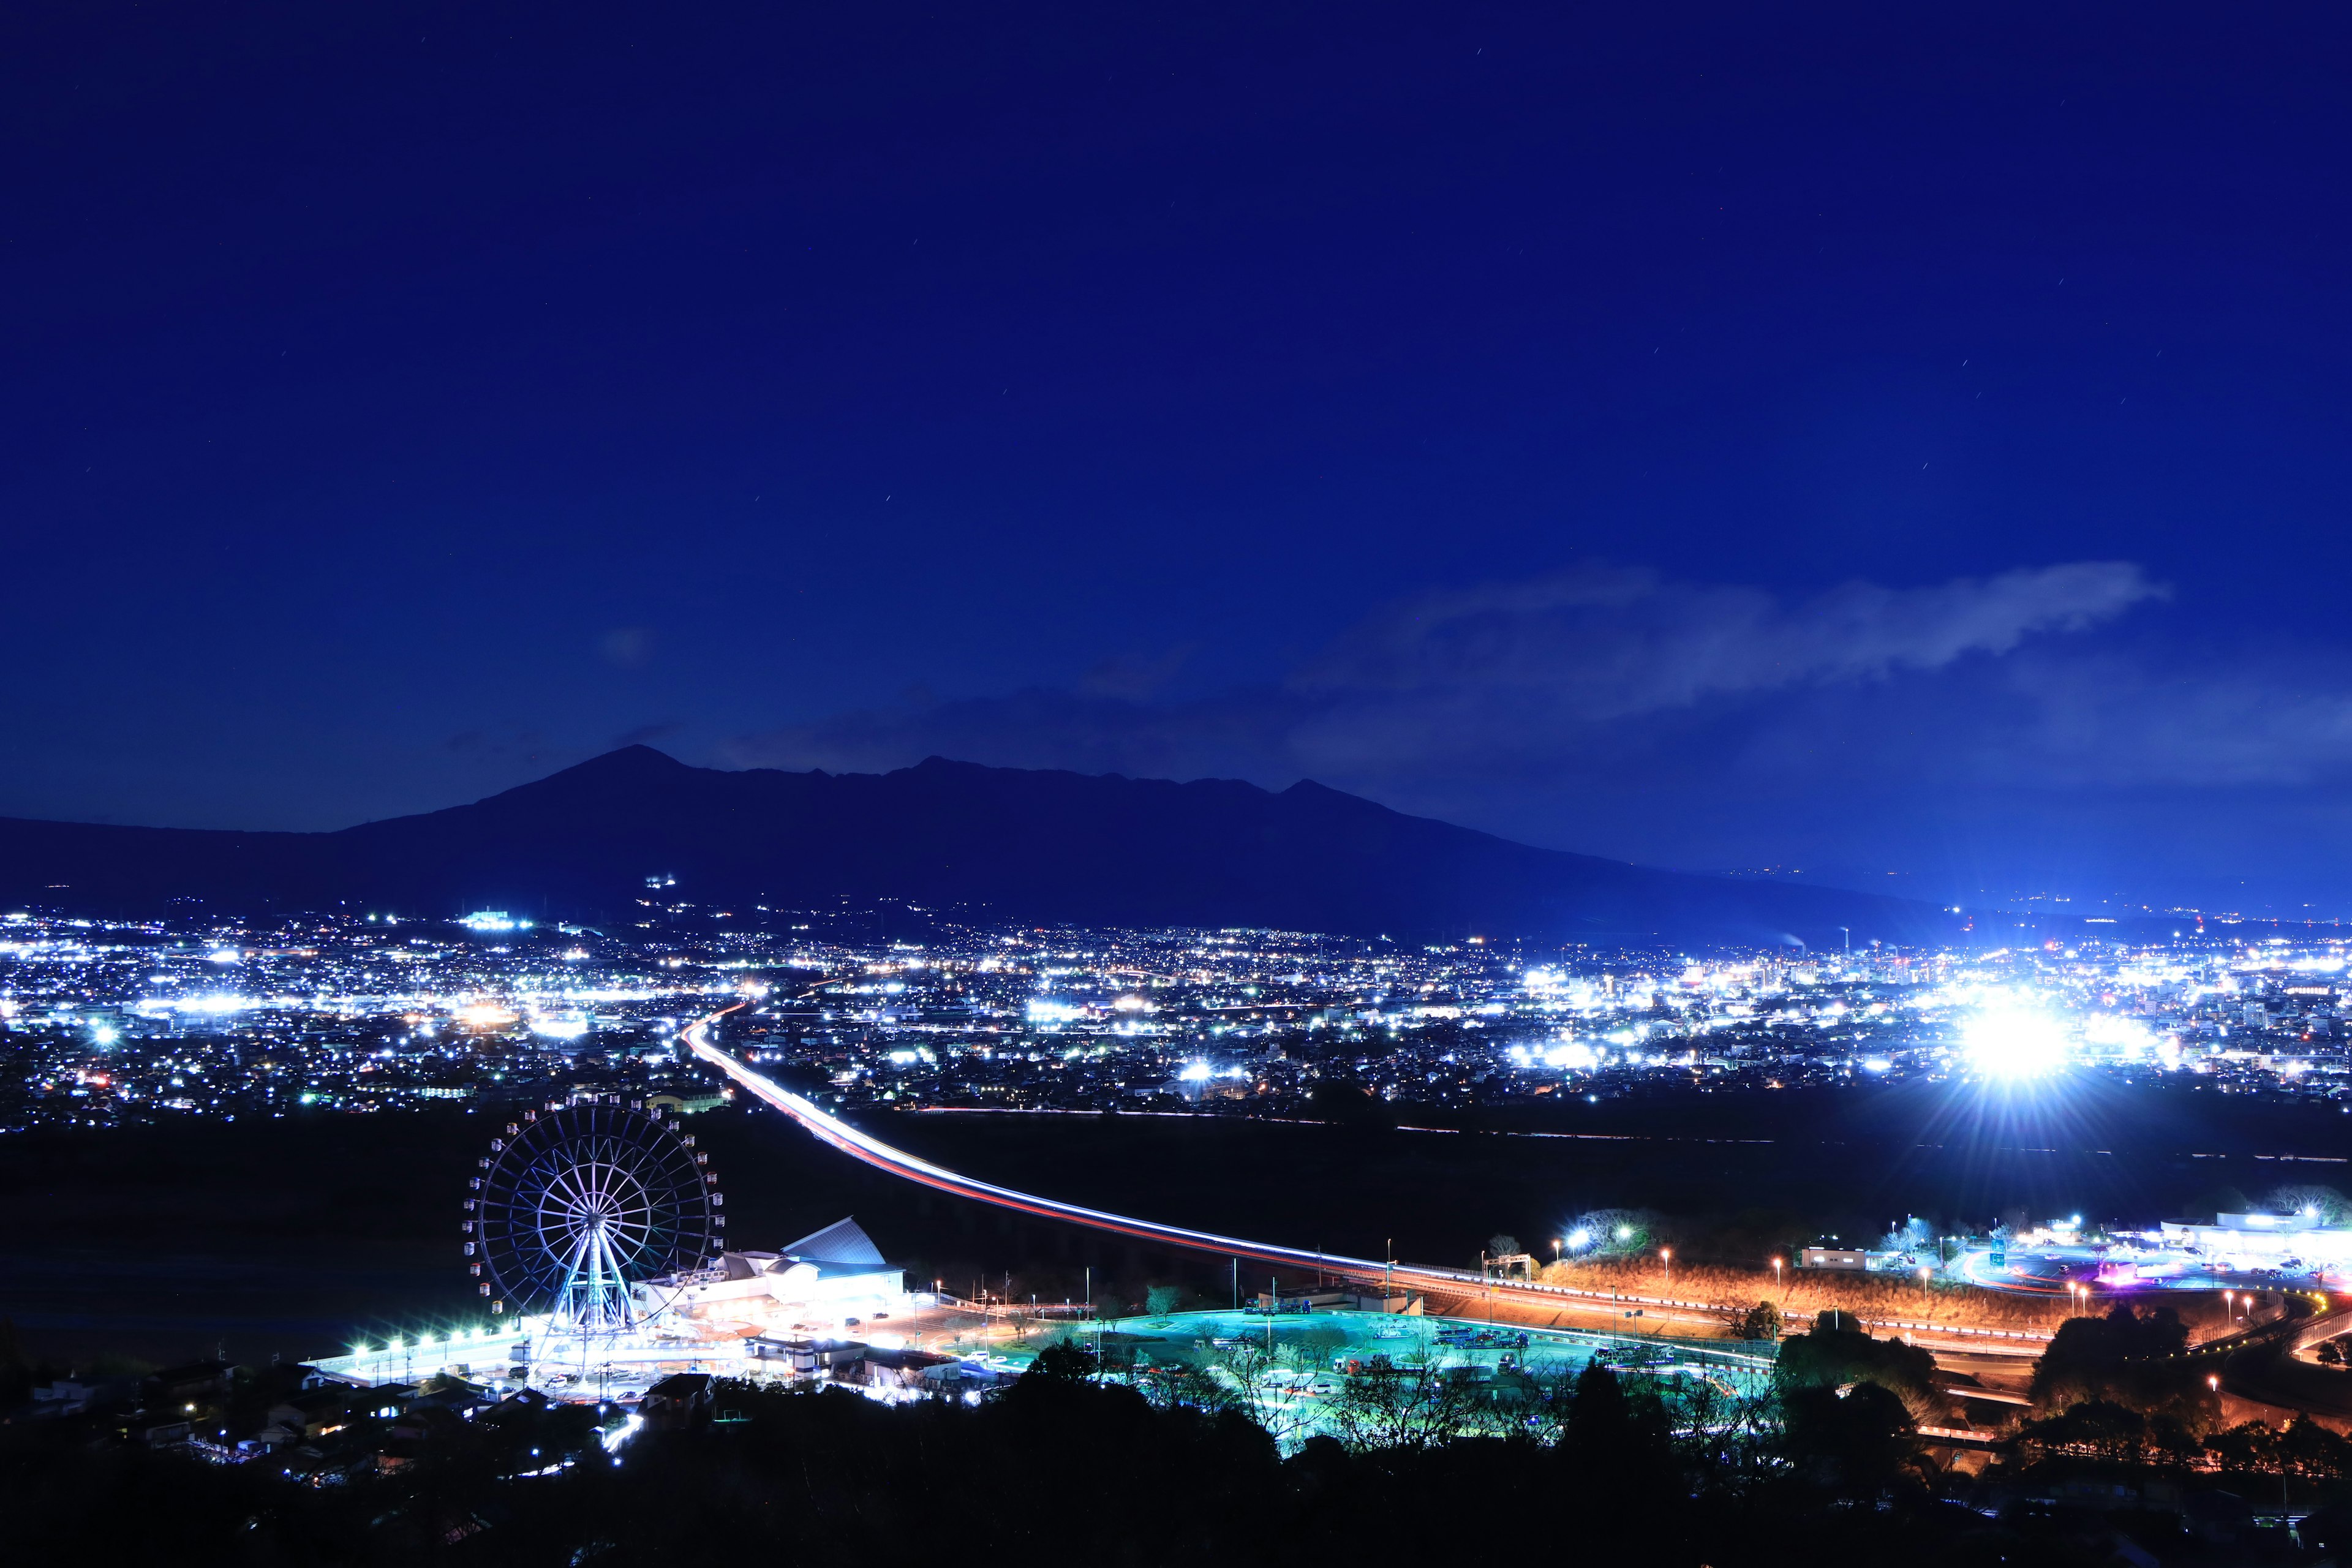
{"x":1009,"y":844}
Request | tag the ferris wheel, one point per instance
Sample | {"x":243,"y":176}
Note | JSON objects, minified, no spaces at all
{"x":578,"y":1202}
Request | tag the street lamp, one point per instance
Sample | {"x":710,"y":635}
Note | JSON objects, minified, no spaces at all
{"x":1668,"y":1254}
{"x":1776,"y":1288}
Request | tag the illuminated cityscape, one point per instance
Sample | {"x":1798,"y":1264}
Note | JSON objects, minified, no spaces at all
{"x":869,"y":784}
{"x":111,"y":1022}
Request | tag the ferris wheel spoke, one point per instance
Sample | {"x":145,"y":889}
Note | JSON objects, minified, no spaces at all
{"x":584,"y":1204}
{"x":570,"y":1185}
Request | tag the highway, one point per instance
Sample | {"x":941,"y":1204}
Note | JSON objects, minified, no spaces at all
{"x":1659,"y":1311}
{"x":872,"y":1151}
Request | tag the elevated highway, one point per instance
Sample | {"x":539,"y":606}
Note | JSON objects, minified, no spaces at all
{"x":1664,"y":1313}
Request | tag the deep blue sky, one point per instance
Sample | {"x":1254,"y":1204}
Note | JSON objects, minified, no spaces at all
{"x":1872,"y":439}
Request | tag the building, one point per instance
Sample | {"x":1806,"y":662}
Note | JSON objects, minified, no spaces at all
{"x":687,"y":1103}
{"x":833,"y":1278}
{"x":2298,"y":1241}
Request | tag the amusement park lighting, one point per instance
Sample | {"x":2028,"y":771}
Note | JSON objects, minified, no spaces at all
{"x":2010,"y":1042}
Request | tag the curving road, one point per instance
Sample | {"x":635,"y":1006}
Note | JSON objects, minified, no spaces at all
{"x":873,"y":1152}
{"x":859,"y":1145}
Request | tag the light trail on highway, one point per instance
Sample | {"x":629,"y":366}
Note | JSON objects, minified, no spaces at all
{"x":832,"y":1130}
{"x":864,"y":1147}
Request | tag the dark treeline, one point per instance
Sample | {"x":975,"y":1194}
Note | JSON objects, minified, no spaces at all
{"x":1057,"y":1466}
{"x":1076,"y":1462}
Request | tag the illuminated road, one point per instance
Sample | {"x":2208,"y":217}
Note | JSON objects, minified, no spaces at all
{"x":873,"y":1152}
{"x":858,"y":1145}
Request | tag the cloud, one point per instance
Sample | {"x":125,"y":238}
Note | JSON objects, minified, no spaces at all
{"x":1526,"y":681}
{"x":2016,"y":731}
{"x":2104,"y":720}
{"x":1600,"y":646}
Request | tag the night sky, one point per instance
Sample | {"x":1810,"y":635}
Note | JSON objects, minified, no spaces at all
{"x":1879,"y":439}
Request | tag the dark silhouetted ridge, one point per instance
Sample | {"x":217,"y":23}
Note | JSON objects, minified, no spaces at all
{"x":1003,"y":843}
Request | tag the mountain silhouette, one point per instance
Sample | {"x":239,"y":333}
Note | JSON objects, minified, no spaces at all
{"x":999,"y":843}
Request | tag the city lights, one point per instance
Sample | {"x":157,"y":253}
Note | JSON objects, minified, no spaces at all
{"x":346,"y":1012}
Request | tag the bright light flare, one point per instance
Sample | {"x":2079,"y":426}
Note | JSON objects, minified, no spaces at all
{"x":2006,"y":1041}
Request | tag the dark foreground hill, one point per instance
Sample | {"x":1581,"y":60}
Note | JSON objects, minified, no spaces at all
{"x":1006,"y":843}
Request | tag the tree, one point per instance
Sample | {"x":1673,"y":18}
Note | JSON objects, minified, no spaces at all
{"x":2323,"y":1204}
{"x":1616,"y":1441}
{"x":1858,"y":1442}
{"x":1834,"y":1356}
{"x":1760,"y":1321}
{"x":1411,"y":1406}
{"x":1616,"y":1233}
{"x":2127,"y":1358}
{"x":1908,"y":1237}
{"x":2098,"y":1428}
{"x":1162,"y":1300}
{"x":1064,"y":1361}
